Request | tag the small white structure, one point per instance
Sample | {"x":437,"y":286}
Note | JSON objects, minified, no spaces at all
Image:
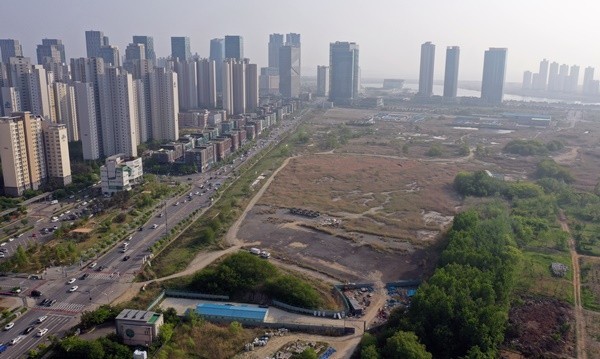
{"x":120,"y":173}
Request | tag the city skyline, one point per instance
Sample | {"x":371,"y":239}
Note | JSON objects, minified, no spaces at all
{"x":391,"y":34}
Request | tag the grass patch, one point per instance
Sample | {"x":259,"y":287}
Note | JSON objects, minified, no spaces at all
{"x":536,"y":278}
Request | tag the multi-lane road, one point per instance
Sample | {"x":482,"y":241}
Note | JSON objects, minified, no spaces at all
{"x":111,"y":275}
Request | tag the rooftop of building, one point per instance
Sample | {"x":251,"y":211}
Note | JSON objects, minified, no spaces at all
{"x":232,"y":311}
{"x":142,"y":316}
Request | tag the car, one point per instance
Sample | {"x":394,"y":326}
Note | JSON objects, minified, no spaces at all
{"x":36,"y":293}
{"x":3,"y":244}
{"x":16,"y":290}
{"x":73,"y":288}
{"x":9,"y":326}
{"x":130,"y":238}
{"x":126,"y":258}
{"x":161,"y":215}
{"x":34,"y":235}
{"x":51,"y":303}
{"x":44,"y":302}
{"x":42,"y":318}
{"x":100,"y":269}
{"x":41,"y":332}
{"x":141,"y":229}
{"x":2,"y":255}
{"x":123,"y":250}
{"x":16,"y":340}
{"x":3,"y":250}
{"x":71,"y":281}
{"x":11,"y":239}
{"x":93,"y":264}
{"x":176,"y":204}
{"x":28,"y":330}
{"x":3,"y":347}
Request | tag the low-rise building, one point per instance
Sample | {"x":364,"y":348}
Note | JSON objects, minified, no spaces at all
{"x":138,"y":327}
{"x":120,"y":173}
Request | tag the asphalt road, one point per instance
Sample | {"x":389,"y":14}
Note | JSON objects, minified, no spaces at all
{"x":103,"y":286}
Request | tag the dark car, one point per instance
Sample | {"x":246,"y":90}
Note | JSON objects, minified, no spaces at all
{"x":126,"y":258}
{"x":141,"y":229}
{"x":84,"y":276}
{"x":36,"y":293}
{"x":45,"y":301}
{"x":51,"y":303}
{"x":100,"y":269}
{"x":28,"y":329}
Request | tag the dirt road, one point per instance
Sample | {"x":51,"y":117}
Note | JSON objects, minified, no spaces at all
{"x":579,"y":319}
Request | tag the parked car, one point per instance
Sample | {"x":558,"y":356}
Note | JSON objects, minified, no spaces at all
{"x":9,"y":326}
{"x":73,"y":288}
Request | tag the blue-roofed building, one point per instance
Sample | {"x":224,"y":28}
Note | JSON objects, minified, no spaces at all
{"x":229,"y":313}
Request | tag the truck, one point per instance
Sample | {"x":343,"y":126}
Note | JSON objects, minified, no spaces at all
{"x":54,"y":201}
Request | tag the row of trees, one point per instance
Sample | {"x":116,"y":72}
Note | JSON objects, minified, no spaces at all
{"x":243,"y":274}
{"x":532,"y":147}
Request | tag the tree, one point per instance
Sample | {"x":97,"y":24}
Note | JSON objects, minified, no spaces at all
{"x":369,"y":352}
{"x":405,"y":345}
{"x":308,"y":353}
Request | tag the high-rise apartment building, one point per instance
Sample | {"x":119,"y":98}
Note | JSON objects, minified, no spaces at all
{"x":207,"y":86}
{"x":164,"y":104}
{"x":135,"y":52}
{"x":94,"y":40}
{"x":275,"y":42}
{"x":10,"y":48}
{"x":426,"y":69}
{"x":56,"y":151}
{"x":51,"y":50}
{"x":39,"y":95}
{"x":118,"y":114}
{"x":527,"y":80}
{"x":234,"y":47}
{"x":451,"y":71}
{"x":22,"y":153}
{"x":573,"y":80}
{"x":11,"y":101}
{"x":217,"y":54}
{"x":494,"y":72}
{"x":323,"y":81}
{"x":65,"y":108}
{"x":553,"y":80}
{"x":268,"y":81}
{"x":148,"y":42}
{"x":187,"y":78}
{"x":251,"y":86}
{"x":590,"y":86}
{"x":180,"y":48}
{"x":343,"y":71}
{"x":87,"y":120}
{"x":541,"y":83}
{"x":90,"y":70}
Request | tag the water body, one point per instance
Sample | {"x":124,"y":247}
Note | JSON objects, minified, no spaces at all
{"x":462,"y":92}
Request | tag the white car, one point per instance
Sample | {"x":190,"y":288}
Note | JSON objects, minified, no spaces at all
{"x":42,"y":318}
{"x":93,"y":264}
{"x":11,"y":239}
{"x":9,"y":326}
{"x":41,"y":332}
{"x":72,"y":280}
{"x":3,"y":244}
{"x":2,"y":255}
{"x":16,"y":340}
{"x":73,"y":288}
{"x":154,"y":226}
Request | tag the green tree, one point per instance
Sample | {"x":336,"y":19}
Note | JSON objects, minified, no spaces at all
{"x":369,"y":352}
{"x":308,"y":353}
{"x":405,"y":345}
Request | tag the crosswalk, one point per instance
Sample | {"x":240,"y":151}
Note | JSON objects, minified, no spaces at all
{"x":63,"y":307}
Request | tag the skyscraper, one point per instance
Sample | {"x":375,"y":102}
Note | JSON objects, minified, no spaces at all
{"x":251,"y":86}
{"x":148,"y":42}
{"x":343,"y":71}
{"x":292,"y":39}
{"x":323,"y":81}
{"x":135,"y":52}
{"x":240,"y":86}
{"x":573,"y":82}
{"x":275,"y":42}
{"x":542,"y":79}
{"x":426,"y":69}
{"x":187,"y":78}
{"x":94,"y":40}
{"x":289,"y":70}
{"x":451,"y":72}
{"x":494,"y":72}
{"x":51,"y":50}
{"x":180,"y":48}
{"x":65,"y":108}
{"x":590,"y":86}
{"x":217,"y":54}
{"x":10,"y":48}
{"x":234,"y":47}
{"x":110,"y":55}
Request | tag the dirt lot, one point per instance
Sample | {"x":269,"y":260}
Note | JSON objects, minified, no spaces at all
{"x":541,"y":328}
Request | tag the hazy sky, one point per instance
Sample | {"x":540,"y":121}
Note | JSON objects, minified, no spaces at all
{"x":389,"y":32}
